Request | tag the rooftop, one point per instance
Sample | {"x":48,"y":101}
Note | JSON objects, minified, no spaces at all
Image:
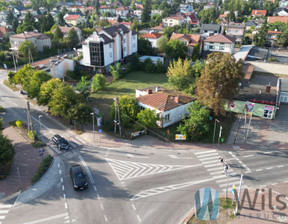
{"x":152,"y":35}
{"x":27,"y":35}
{"x":273,"y":19}
{"x":220,"y":38}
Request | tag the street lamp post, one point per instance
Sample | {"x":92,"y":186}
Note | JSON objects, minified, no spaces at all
{"x":93,"y":125}
{"x":215,"y":129}
{"x":40,"y":122}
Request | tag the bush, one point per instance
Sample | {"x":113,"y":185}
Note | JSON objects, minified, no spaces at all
{"x":159,"y":67}
{"x":38,"y":144}
{"x":30,"y":135}
{"x":2,"y":109}
{"x":108,"y":125}
{"x":149,"y":66}
{"x":44,"y":166}
{"x":19,"y":123}
{"x":98,"y":83}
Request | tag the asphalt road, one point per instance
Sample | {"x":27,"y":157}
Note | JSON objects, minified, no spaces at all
{"x":136,"y":184}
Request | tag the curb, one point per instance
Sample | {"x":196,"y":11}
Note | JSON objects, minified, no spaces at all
{"x":3,"y":200}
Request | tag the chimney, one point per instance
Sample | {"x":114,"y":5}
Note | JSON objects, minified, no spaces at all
{"x":149,"y":91}
{"x":176,"y":99}
{"x":157,"y":89}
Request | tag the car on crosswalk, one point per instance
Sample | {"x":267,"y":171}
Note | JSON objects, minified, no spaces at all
{"x":78,"y":177}
{"x":60,"y":142}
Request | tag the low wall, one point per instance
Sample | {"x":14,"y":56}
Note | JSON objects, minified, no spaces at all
{"x":269,"y":67}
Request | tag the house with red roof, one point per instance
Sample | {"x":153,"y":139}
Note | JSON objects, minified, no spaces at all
{"x":274,"y":19}
{"x":153,"y":38}
{"x":107,"y":8}
{"x":189,"y":39}
{"x":258,"y":13}
{"x":90,"y":9}
{"x":3,"y":31}
{"x":219,"y":43}
{"x":193,"y":20}
{"x":173,"y":20}
{"x":39,"y":40}
{"x":272,"y":37}
{"x":171,"y":106}
{"x":74,"y":19}
{"x":122,"y":11}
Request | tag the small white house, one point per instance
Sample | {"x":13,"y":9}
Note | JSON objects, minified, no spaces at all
{"x":153,"y":38}
{"x":170,"y":106}
{"x":219,"y":43}
{"x":282,"y":91}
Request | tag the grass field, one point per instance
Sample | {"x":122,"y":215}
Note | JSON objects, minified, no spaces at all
{"x":103,"y":100}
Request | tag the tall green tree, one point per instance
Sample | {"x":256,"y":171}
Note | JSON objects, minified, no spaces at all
{"x":128,"y":106}
{"x":146,"y":13}
{"x":161,"y":44}
{"x":283,"y":40}
{"x":58,"y":34}
{"x":38,"y":78}
{"x":73,"y":40}
{"x":219,"y":81}
{"x":148,"y":118}
{"x":26,"y":48}
{"x":145,"y":47}
{"x":15,"y":25}
{"x":115,"y":71}
{"x":81,"y":113}
{"x":196,"y":123}
{"x":84,"y":87}
{"x":196,"y":52}
{"x":49,"y":22}
{"x":60,"y":19}
{"x":176,"y":49}
{"x":10,"y":17}
{"x":6,"y":151}
{"x":47,"y":89}
{"x":97,"y":6}
{"x":260,"y":37}
{"x":98,"y":83}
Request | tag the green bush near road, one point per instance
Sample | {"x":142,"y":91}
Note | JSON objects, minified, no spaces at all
{"x":38,"y":144}
{"x":6,"y":155}
{"x":42,"y":169}
{"x":2,"y":109}
{"x":19,"y":123}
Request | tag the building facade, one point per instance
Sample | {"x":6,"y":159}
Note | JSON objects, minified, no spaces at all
{"x":219,"y":43}
{"x":236,"y":30}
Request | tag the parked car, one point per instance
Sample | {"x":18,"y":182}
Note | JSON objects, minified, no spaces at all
{"x":78,"y":177}
{"x":61,"y":142}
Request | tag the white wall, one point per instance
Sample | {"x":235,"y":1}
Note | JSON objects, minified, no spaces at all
{"x":134,"y":43}
{"x":107,"y":50}
{"x":228,"y":48}
{"x":153,"y":42}
{"x":86,"y":54}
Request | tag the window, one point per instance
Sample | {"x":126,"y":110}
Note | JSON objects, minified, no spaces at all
{"x":110,"y":45}
{"x":221,"y":48}
{"x":124,"y":49}
{"x":134,"y":37}
{"x":211,"y":47}
{"x":134,"y":45}
{"x":110,"y":55}
{"x":12,"y":41}
{"x":124,"y":41}
{"x":167,"y":117}
{"x":215,"y":32}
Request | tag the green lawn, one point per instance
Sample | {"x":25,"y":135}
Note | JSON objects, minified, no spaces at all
{"x":103,"y":100}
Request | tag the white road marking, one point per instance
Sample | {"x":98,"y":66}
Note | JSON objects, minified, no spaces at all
{"x":286,"y":181}
{"x":205,"y":152}
{"x":259,"y":170}
{"x":207,"y":155}
{"x":214,"y":158}
{"x":63,"y":187}
{"x":64,"y":196}
{"x":72,"y":144}
{"x":61,"y":179}
{"x":4,"y":211}
{"x":66,"y":206}
{"x":15,"y":104}
{"x":160,"y":190}
{"x":280,"y":166}
{"x":133,"y":206}
{"x":58,"y":165}
{"x":101,"y":206}
{"x":55,"y":149}
{"x":173,"y":156}
{"x":139,"y":219}
{"x":127,"y":170}
{"x":247,"y":156}
{"x":47,"y":219}
{"x":267,"y":152}
{"x":269,"y":168}
{"x":274,"y":183}
{"x":98,"y":196}
{"x":86,"y":168}
{"x":60,"y":172}
{"x":5,"y":206}
{"x":80,"y":140}
{"x":2,"y":217}
{"x":105,"y":217}
{"x":75,"y":142}
{"x":95,"y":188}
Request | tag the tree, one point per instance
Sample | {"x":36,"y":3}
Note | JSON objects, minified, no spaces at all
{"x":49,"y":22}
{"x":146,"y":13}
{"x":84,"y":87}
{"x":176,"y":49}
{"x":58,"y":34}
{"x":232,"y":17}
{"x":197,"y":68}
{"x":168,"y":32}
{"x":115,"y":71}
{"x":196,"y":51}
{"x":196,"y":123}
{"x":148,"y":118}
{"x":38,"y":78}
{"x":10,"y":17}
{"x":24,"y":75}
{"x":145,"y":47}
{"x":29,"y":19}
{"x":73,"y":40}
{"x":26,"y":48}
{"x":14,"y":25}
{"x":161,"y":44}
{"x":47,"y":89}
{"x":283,"y":40}
{"x":60,"y":18}
{"x":180,"y":74}
{"x":97,"y":6}
{"x":128,"y":106}
{"x":134,"y":63}
{"x":119,"y":19}
{"x":98,"y":83}
{"x":219,"y":81}
{"x":62,"y":100}
{"x":260,"y":37}
{"x":81,"y":113}
{"x":6,"y":150}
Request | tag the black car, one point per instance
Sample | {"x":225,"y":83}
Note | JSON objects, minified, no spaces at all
{"x":60,"y":142}
{"x":78,"y":177}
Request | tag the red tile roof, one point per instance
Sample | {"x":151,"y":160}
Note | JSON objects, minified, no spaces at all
{"x":122,"y":8}
{"x":256,"y":12}
{"x":192,"y":39}
{"x":66,"y":29}
{"x":126,"y":23}
{"x":175,"y":17}
{"x":26,"y":35}
{"x":152,"y":35}
{"x":90,"y":8}
{"x":273,"y":19}
{"x":164,"y":101}
{"x":106,"y":7}
{"x":274,"y":32}
{"x":3,"y":31}
{"x":72,"y":17}
{"x":220,"y":38}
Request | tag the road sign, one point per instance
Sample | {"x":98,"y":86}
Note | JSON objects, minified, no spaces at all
{"x":100,"y":130}
{"x":41,"y":150}
{"x":41,"y":154}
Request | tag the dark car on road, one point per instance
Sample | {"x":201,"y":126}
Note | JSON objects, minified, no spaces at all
{"x":78,"y":177}
{"x":61,"y":143}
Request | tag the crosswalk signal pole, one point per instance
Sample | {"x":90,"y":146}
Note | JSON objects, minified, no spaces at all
{"x":238,"y":198}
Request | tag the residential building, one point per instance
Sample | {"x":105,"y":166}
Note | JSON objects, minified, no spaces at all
{"x":281,"y":11}
{"x":274,"y":19}
{"x":186,"y":8}
{"x":193,"y":20}
{"x":258,"y":13}
{"x":210,"y":29}
{"x":39,"y":40}
{"x":138,"y":13}
{"x":55,"y":66}
{"x":16,"y":10}
{"x":173,"y":21}
{"x":282,"y":91}
{"x":128,"y":24}
{"x":154,"y":59}
{"x":283,"y":4}
{"x":108,"y":45}
{"x":250,"y":24}
{"x":153,"y":38}
{"x":108,"y":9}
{"x":74,"y":20}
{"x":4,"y":31}
{"x":66,"y":29}
{"x":3,"y":18}
{"x":190,"y":41}
{"x":122,"y":11}
{"x":219,"y":43}
{"x":90,"y":9}
{"x":158,"y":29}
{"x":154,"y":12}
{"x":236,"y":30}
{"x":171,"y":107}
{"x":75,"y":8}
{"x":272,"y":37}
{"x":209,"y":5}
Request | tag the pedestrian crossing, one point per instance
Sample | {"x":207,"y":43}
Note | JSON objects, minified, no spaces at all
{"x":210,"y":160}
{"x":4,"y":209}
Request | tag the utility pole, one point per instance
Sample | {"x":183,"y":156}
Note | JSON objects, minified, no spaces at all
{"x":29,"y":121}
{"x":93,"y":125}
{"x":14,"y":60}
{"x":120,"y":129}
{"x":117,"y":121}
{"x":238,"y":198}
{"x":220,"y":134}
{"x":215,"y":129}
